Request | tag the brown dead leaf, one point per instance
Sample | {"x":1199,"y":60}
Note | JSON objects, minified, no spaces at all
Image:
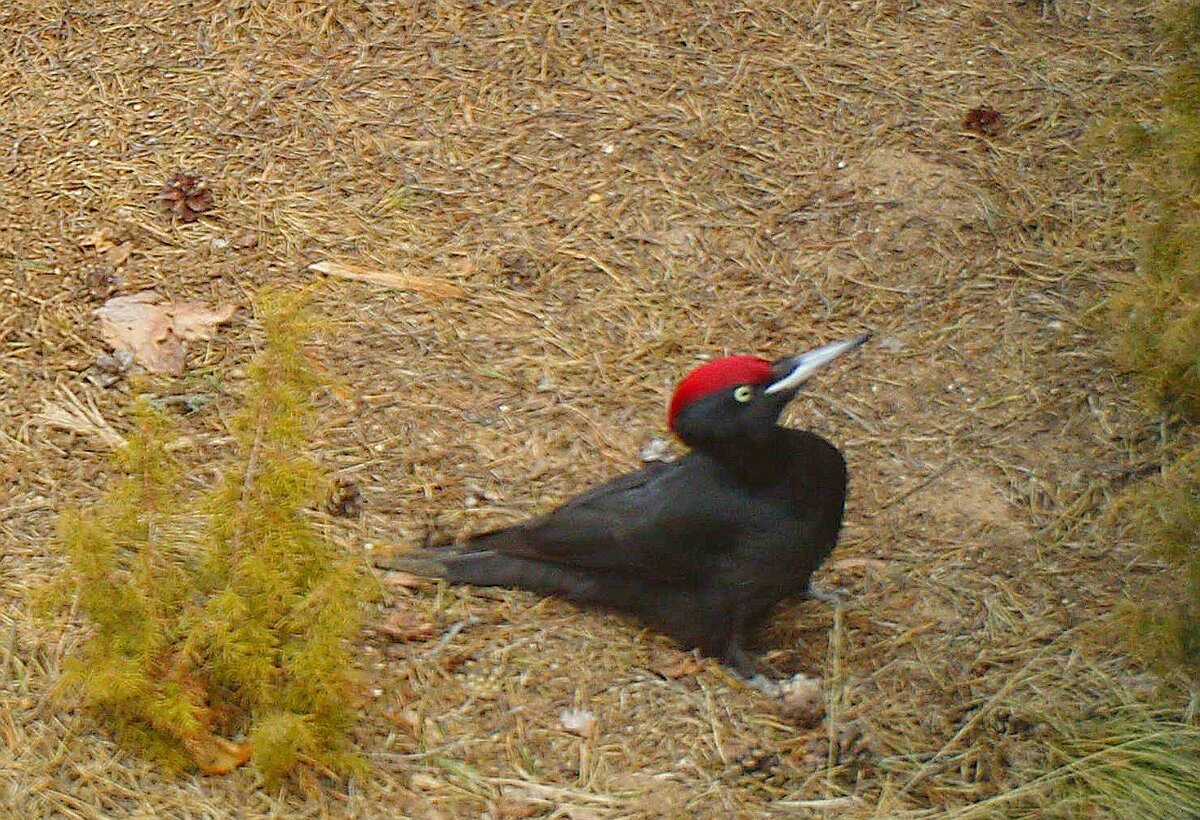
{"x":406,"y":626}
{"x":409,"y":720}
{"x":675,"y":665}
{"x":212,"y":754}
{"x":245,"y":240}
{"x":390,"y":279}
{"x":134,"y":323}
{"x":155,"y":332}
{"x":216,"y":755}
{"x":194,"y":322}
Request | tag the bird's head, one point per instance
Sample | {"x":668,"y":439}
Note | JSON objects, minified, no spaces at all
{"x":739,"y":398}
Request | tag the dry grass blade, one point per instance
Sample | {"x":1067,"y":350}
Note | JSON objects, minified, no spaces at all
{"x":980,"y":714}
{"x":79,"y":417}
{"x":390,"y":279}
{"x":1146,"y":770}
{"x":558,"y":793}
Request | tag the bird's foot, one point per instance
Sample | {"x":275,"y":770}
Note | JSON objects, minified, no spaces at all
{"x":800,"y":698}
{"x":768,"y":686}
{"x":829,"y":596}
{"x":745,"y":664}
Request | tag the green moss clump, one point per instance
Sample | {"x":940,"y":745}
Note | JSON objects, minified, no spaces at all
{"x":228,"y":614}
{"x":1158,"y":316}
{"x":1159,"y":313}
{"x":1167,"y":514}
{"x":132,"y":558}
{"x":1135,"y":763}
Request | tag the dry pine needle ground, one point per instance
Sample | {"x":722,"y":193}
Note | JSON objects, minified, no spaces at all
{"x":593,"y":195}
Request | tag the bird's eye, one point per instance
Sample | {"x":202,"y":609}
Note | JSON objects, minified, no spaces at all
{"x":743,"y":393}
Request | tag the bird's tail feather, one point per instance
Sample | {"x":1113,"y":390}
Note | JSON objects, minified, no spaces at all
{"x":425,"y":563}
{"x":674,"y":609}
{"x":482,"y":562}
{"x":482,"y":567}
{"x":486,"y":568}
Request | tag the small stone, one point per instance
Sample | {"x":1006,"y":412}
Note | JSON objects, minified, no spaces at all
{"x":579,"y":722}
{"x":119,"y":361}
{"x":245,"y":240}
{"x":802,"y":700}
{"x":656,"y":449}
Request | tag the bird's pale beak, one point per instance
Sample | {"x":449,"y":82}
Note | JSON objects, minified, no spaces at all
{"x":795,"y":370}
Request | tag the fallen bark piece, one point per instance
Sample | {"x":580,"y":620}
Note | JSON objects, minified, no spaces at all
{"x":406,"y":626}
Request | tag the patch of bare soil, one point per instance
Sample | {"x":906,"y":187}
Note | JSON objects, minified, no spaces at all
{"x":562,"y":208}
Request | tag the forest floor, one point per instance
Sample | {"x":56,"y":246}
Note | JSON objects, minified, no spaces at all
{"x":585,"y":200}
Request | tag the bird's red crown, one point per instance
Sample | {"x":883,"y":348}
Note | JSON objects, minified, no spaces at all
{"x":717,"y":375}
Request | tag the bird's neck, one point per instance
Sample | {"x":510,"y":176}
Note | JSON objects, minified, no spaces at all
{"x":751,"y":459}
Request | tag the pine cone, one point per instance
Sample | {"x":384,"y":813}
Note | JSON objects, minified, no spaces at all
{"x":345,"y":499}
{"x":186,"y":196}
{"x":984,"y":120}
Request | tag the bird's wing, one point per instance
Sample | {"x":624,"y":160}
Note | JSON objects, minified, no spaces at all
{"x":654,"y":523}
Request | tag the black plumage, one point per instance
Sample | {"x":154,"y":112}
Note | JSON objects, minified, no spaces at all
{"x":701,"y":548}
